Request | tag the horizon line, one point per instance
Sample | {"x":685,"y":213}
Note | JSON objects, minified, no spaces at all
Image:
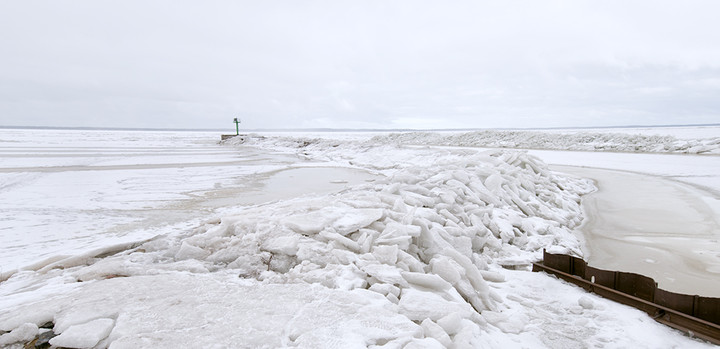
{"x":331,"y":129}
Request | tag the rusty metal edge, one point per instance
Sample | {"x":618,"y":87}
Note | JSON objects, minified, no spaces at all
{"x":689,"y":325}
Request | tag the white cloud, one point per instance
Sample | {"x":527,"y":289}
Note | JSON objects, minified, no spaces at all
{"x":375,"y":63}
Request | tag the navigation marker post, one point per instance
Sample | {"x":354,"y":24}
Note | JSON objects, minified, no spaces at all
{"x":237,"y":131}
{"x":237,"y":126}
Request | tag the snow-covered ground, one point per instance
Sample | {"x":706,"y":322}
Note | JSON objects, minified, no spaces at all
{"x":403,"y":247}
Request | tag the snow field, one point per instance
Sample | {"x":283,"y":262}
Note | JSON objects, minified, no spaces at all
{"x":416,"y":260}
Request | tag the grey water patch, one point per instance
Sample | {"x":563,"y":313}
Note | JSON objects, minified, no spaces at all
{"x":286,"y":184}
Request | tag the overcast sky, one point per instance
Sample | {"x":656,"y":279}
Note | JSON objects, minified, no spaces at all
{"x":359,"y":64}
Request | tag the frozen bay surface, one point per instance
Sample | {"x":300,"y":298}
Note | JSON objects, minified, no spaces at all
{"x":653,"y":214}
{"x":421,"y":257}
{"x":64,"y":192}
{"x":649,"y":225}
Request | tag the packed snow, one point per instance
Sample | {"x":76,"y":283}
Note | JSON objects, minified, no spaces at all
{"x":432,"y":250}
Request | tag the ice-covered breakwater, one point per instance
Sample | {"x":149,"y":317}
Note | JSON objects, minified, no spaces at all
{"x":588,"y":141}
{"x":416,"y":253}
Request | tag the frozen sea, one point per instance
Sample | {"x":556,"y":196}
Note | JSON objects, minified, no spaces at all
{"x":334,"y":237}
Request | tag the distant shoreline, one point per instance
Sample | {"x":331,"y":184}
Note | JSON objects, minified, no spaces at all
{"x":349,"y":129}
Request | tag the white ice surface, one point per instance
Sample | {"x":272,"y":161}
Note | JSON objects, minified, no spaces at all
{"x":653,"y":226}
{"x":349,"y":269}
{"x":700,"y":170}
{"x":654,"y":214}
{"x":68,"y":192}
